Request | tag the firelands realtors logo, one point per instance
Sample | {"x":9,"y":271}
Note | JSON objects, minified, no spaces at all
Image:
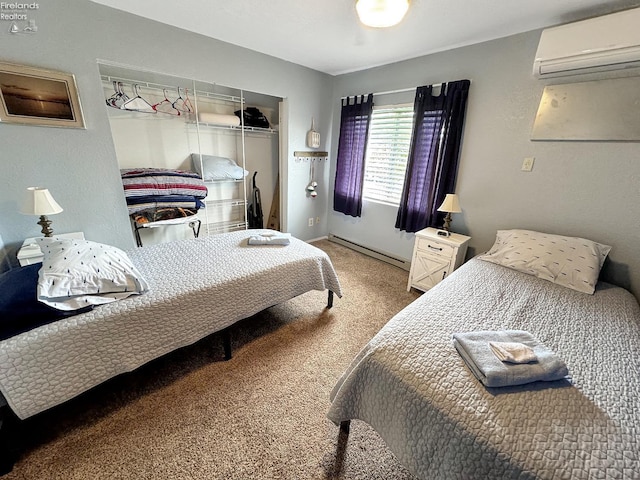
{"x":19,"y":16}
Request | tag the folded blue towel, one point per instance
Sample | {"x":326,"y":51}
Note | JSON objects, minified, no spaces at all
{"x":474,"y":348}
{"x":270,"y":239}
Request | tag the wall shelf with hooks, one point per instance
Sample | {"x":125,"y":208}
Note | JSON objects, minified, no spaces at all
{"x":301,"y":156}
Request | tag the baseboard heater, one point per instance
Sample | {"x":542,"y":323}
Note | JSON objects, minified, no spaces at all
{"x":385,"y":257}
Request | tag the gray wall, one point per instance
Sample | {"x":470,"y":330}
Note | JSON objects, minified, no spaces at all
{"x":586,"y":189}
{"x":79,"y":166}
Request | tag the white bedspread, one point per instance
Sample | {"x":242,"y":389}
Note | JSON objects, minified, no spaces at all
{"x":197,"y":287}
{"x":410,"y":384}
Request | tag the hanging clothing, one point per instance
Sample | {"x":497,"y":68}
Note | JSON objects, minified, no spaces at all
{"x":434,"y":152}
{"x":354,"y":129}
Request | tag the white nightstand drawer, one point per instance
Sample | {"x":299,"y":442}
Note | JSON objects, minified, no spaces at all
{"x":434,"y":247}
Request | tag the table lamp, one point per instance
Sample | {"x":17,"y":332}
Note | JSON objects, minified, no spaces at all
{"x":450,"y":205}
{"x":38,"y":201}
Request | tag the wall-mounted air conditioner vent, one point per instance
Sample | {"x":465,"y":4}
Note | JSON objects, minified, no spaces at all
{"x":598,"y":44}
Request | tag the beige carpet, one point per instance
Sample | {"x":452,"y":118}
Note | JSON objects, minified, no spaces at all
{"x":261,"y":415}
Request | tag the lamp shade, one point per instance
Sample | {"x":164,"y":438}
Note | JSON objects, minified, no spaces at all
{"x":381,"y":13}
{"x":451,"y":204}
{"x":38,"y":201}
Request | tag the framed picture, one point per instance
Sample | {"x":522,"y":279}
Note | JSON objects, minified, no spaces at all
{"x":34,"y":96}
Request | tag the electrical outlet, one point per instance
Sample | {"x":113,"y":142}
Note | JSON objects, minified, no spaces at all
{"x":311,"y":221}
{"x":527,"y":164}
{"x":317,"y":220}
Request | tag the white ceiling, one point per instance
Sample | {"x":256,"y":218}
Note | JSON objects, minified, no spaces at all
{"x":325,"y":34}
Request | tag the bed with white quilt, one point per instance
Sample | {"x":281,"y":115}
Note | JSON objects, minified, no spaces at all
{"x":440,"y":419}
{"x":174,"y":295}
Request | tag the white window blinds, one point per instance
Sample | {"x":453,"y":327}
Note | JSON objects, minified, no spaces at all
{"x":387,"y":153}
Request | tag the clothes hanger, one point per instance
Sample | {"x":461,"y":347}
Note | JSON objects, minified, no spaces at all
{"x":114,"y":96}
{"x":137,"y":103}
{"x":165,"y":106}
{"x":187,"y":101}
{"x":118,"y":97}
{"x":181,"y":104}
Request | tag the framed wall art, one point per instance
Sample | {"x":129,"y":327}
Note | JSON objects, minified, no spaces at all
{"x":35,"y":96}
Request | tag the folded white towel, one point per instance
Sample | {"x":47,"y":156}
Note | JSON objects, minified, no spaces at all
{"x":513,"y":352}
{"x":270,"y":239}
{"x":476,"y":351}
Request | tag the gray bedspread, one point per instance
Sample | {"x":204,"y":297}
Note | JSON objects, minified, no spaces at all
{"x":197,"y":287}
{"x":413,"y":388}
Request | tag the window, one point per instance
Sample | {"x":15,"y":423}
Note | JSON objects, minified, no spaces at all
{"x":387,"y":151}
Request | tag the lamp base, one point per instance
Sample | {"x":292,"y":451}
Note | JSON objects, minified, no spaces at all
{"x":447,"y":222}
{"x":45,"y":223}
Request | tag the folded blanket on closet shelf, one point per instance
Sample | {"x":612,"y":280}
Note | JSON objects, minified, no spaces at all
{"x":144,"y":182}
{"x":150,"y":171}
{"x":219,"y":119}
{"x":475,"y":350}
{"x":270,"y":239}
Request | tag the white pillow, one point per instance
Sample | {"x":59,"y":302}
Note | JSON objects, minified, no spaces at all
{"x":78,"y":273}
{"x":569,"y":261}
{"x":217,"y":168}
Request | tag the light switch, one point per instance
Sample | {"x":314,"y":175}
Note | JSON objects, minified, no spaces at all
{"x":527,"y":164}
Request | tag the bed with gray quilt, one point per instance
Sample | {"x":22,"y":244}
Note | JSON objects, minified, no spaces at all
{"x":411,"y":385}
{"x":195,"y":287}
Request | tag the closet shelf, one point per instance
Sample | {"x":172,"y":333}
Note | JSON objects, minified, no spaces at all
{"x":124,"y":114}
{"x":224,"y":180}
{"x":159,"y":87}
{"x":190,"y":120}
{"x":247,"y":130}
{"x":225,"y":226}
{"x":230,"y":202}
{"x":237,"y":102}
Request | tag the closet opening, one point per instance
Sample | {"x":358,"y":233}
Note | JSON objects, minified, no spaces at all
{"x":188,"y":152}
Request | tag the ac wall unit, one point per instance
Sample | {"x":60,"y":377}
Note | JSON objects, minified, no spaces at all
{"x":610,"y":42}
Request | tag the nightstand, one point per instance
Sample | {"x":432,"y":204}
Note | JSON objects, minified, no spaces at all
{"x":30,"y":252}
{"x":435,"y":257}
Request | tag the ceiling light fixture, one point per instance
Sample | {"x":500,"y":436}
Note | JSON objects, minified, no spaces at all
{"x":381,"y":13}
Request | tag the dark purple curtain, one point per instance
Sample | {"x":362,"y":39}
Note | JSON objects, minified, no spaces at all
{"x":354,"y":129}
{"x":433,"y":156}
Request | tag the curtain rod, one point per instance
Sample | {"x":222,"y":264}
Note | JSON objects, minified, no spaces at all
{"x":390,"y":92}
